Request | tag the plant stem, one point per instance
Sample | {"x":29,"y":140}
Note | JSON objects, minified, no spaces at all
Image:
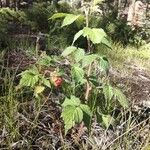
{"x":88,"y":87}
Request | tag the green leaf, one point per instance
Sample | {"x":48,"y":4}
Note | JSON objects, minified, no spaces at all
{"x":69,"y":19}
{"x":108,"y":92}
{"x":93,"y":80}
{"x":78,"y":55}
{"x":77,"y":74}
{"x":77,"y":35}
{"x":80,"y":21}
{"x":73,"y":112}
{"x":106,"y":43}
{"x":68,"y":117}
{"x":71,"y":115}
{"x":107,"y":120}
{"x":121,"y":98}
{"x":103,"y":64}
{"x":86,"y":109}
{"x":78,"y":115}
{"x":45,"y":61}
{"x":73,"y":101}
{"x":95,"y":2}
{"x":39,"y":89}
{"x":68,"y":51}
{"x":29,"y":78}
{"x":96,"y":35}
{"x":88,"y":59}
{"x":87,"y":32}
{"x":58,"y":15}
{"x":46,"y":82}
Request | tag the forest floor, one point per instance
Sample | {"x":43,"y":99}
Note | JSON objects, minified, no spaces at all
{"x":43,"y":130}
{"x":130,"y":71}
{"x":136,"y":85}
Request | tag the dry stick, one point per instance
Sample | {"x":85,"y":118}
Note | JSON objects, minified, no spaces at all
{"x":88,"y":87}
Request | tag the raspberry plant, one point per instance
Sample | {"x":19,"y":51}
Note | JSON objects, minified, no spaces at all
{"x":88,"y":92}
{"x":85,"y":70}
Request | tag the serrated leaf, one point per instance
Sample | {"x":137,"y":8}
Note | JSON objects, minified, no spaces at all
{"x":71,"y":115}
{"x":28,"y":78}
{"x":103,"y":64}
{"x":69,"y":19}
{"x":87,"y":32}
{"x":86,"y":109}
{"x":46,"y":82}
{"x":97,"y":35}
{"x":108,"y":92}
{"x":58,"y":15}
{"x":73,"y":101}
{"x":68,"y":51}
{"x":78,"y":115}
{"x":94,"y":34}
{"x":77,"y":35}
{"x":88,"y":59}
{"x":77,"y":74}
{"x":39,"y":89}
{"x":107,"y":120}
{"x":45,"y":61}
{"x":121,"y":98}
{"x":106,"y":43}
{"x":68,"y":117}
{"x":93,"y":80}
{"x":78,"y":55}
{"x":80,"y":21}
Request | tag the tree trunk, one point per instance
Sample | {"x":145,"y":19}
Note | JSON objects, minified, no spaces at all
{"x":1,"y":5}
{"x":7,"y":3}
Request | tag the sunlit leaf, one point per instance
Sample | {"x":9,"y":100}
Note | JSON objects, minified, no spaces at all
{"x":78,"y":115}
{"x":121,"y":98}
{"x":88,"y":59}
{"x":86,"y":109}
{"x":108,"y":92}
{"x":73,"y":101}
{"x":77,"y":74}
{"x":87,"y":32}
{"x":46,"y":82}
{"x":95,"y":2}
{"x":29,"y":78}
{"x":58,"y":15}
{"x":77,"y":35}
{"x":80,"y":21}
{"x":78,"y":54}
{"x":45,"y":61}
{"x":68,"y":51}
{"x":106,"y":43}
{"x":107,"y":120}
{"x":68,"y":117}
{"x":69,"y":19}
{"x":39,"y":89}
{"x":103,"y":64}
{"x":73,"y":112}
{"x":96,"y":35}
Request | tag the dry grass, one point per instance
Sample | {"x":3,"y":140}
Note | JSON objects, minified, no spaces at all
{"x":24,"y":126}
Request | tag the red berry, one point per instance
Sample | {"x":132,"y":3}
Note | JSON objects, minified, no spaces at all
{"x":58,"y":82}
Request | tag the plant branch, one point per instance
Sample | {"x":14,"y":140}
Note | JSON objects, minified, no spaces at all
{"x":88,"y":86}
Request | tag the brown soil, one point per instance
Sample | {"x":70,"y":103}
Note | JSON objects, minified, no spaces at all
{"x":136,"y":86}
